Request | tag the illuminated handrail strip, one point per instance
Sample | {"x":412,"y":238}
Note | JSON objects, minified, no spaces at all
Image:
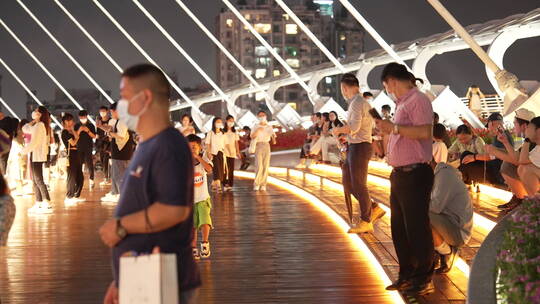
{"x":66,"y":52}
{"x":338,"y":220}
{"x":28,"y":91}
{"x":45,"y":70}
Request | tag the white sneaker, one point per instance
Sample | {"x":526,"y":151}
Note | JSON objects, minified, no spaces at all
{"x":205,"y":250}
{"x":70,"y":201}
{"x":110,"y":198}
{"x":255,"y":188}
{"x":263,"y":188}
{"x":80,"y":199}
{"x":36,"y":208}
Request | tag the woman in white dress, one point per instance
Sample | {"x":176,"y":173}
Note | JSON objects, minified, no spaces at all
{"x":475,"y":96}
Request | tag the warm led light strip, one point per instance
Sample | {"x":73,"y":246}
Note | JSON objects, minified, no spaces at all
{"x":28,"y":91}
{"x":460,"y":263}
{"x":45,"y":70}
{"x":484,"y":224}
{"x":9,"y":108}
{"x":61,"y":47}
{"x":85,"y":32}
{"x":338,"y":220}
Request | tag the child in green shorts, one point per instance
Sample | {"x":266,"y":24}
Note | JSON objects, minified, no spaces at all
{"x":203,"y":204}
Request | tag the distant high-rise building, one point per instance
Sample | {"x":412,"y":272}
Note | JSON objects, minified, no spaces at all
{"x":280,"y":31}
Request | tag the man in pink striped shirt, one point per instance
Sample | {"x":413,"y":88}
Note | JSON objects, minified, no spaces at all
{"x":409,"y":152}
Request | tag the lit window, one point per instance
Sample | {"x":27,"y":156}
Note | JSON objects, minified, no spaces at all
{"x":285,"y":16}
{"x":260,"y":73}
{"x":291,"y":29}
{"x":294,"y":63}
{"x":342,"y":37}
{"x":229,"y":22}
{"x":263,"y":28}
{"x":250,"y":72}
{"x":260,"y":96}
{"x":261,"y":51}
{"x":276,"y":73}
{"x":247,"y":16}
{"x":328,"y":80}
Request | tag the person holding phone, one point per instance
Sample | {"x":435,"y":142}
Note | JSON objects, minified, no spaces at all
{"x":358,"y":128}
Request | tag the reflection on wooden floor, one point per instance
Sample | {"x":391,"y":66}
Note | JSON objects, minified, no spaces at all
{"x":266,"y":248}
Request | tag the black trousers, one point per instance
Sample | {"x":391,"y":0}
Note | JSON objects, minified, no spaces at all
{"x":104,"y":157}
{"x":75,"y":177}
{"x":40,"y":189}
{"x":218,"y":170}
{"x":411,"y":232}
{"x":229,"y":173}
{"x":88,"y":160}
{"x":357,"y":162}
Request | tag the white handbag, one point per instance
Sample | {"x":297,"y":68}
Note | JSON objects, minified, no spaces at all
{"x":149,"y":279}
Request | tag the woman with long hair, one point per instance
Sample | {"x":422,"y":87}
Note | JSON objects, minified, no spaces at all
{"x":187,"y":125}
{"x":475,"y":96}
{"x":327,"y":138}
{"x":7,"y":211}
{"x":232,"y":152}
{"x":75,"y":177}
{"x":215,"y":146}
{"x":38,"y":147}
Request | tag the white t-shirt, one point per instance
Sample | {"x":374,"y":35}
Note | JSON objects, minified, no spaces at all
{"x":230,"y":144}
{"x":440,"y":152}
{"x":534,"y":156}
{"x":200,"y":186}
{"x":265,"y":135}
{"x":216,"y":142}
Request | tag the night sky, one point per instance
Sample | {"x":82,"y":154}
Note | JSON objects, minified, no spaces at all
{"x":396,"y":21}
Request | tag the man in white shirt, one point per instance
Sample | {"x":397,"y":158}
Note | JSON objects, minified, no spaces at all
{"x":359,"y":129}
{"x":261,"y":135}
{"x":529,"y":169}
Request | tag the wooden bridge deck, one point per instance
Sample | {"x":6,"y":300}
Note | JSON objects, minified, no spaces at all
{"x":266,"y":248}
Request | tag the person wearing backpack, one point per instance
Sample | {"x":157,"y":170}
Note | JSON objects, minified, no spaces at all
{"x":122,"y":147}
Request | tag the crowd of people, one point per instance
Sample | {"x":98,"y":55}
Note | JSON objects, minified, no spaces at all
{"x":159,"y":175}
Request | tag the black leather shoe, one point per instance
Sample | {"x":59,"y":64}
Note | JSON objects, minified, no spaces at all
{"x":447,"y":261}
{"x":400,"y":284}
{"x":420,"y":289}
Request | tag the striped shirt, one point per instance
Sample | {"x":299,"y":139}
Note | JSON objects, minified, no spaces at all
{"x":412,"y":109}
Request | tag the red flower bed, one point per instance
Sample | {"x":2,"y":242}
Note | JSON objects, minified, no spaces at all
{"x":293,"y":139}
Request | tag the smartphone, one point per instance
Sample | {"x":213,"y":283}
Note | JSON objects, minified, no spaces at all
{"x":500,"y":130}
{"x":374,"y":114}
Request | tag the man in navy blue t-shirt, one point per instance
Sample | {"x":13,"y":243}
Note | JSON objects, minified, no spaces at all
{"x":156,"y":199}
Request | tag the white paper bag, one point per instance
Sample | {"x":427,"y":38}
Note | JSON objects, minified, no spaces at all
{"x":149,"y":279}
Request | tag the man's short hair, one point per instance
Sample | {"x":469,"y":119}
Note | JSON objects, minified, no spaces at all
{"x":194,"y":138}
{"x":113,"y":106}
{"x":104,"y":108}
{"x":367,"y":94}
{"x":397,"y":71}
{"x":386,"y":107}
{"x":83,"y":113}
{"x":536,"y":122}
{"x":463,"y":129}
{"x":318,"y":114}
{"x":350,"y":80}
{"x":154,"y":78}
{"x":261,"y":111}
{"x":67,"y":117}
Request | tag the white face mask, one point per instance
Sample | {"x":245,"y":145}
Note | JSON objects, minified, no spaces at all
{"x":84,"y":120}
{"x":230,"y":124}
{"x":35,"y":115}
{"x":262,"y":118}
{"x":130,"y":120}
{"x":103,"y":114}
{"x":219,"y":125}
